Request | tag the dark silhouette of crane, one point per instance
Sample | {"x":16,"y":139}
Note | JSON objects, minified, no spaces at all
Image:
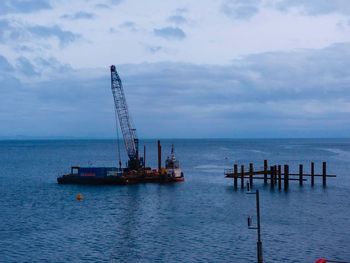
{"x":131,"y":141}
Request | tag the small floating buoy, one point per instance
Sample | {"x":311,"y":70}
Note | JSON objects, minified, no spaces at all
{"x":79,"y":197}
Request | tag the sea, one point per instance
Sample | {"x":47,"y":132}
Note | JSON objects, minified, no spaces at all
{"x":203,"y":219}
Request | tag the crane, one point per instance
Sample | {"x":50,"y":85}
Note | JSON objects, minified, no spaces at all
{"x":131,"y":141}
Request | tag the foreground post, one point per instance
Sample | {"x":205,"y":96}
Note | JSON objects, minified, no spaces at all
{"x":235,"y":175}
{"x":259,"y":243}
{"x":259,"y":252}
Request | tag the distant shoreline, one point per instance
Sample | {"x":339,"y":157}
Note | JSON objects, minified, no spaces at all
{"x":114,"y":139}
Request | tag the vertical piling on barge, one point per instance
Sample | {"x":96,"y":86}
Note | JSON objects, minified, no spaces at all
{"x":159,"y":156}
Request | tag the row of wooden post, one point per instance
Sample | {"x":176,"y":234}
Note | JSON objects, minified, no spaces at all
{"x":276,"y":175}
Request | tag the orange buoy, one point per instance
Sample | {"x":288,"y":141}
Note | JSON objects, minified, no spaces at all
{"x":79,"y":197}
{"x":321,"y":260}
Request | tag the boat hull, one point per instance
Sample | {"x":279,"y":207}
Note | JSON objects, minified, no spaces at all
{"x":116,"y":180}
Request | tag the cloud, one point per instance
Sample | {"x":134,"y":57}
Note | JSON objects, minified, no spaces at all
{"x":177,"y":19}
{"x":79,"y":15}
{"x":241,"y":9}
{"x":181,"y":10}
{"x":284,"y":94}
{"x":129,"y":25}
{"x":316,"y":7}
{"x":20,"y":6}
{"x":18,"y":33}
{"x":170,"y":33}
{"x":6,"y":30}
{"x":116,"y":2}
{"x":5,"y":65}
{"x":26,"y":67}
{"x":295,"y":93}
{"x":154,"y":49}
{"x":64,"y":36}
{"x":102,"y":6}
{"x":52,"y":65}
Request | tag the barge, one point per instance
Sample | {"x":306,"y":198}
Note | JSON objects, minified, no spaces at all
{"x":172,"y":173}
{"x":136,"y":170}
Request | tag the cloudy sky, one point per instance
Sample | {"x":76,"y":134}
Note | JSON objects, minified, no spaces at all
{"x":210,"y":68}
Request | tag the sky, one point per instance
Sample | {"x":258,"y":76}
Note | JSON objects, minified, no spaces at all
{"x":190,"y":69}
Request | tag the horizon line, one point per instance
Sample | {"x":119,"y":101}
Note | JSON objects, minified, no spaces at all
{"x":67,"y":138}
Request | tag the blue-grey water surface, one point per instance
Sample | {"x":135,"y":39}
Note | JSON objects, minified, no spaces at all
{"x":200,"y":220}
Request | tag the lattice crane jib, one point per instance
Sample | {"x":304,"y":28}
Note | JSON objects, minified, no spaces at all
{"x":122,"y":114}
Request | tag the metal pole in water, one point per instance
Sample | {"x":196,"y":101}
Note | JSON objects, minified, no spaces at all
{"x":259,"y":251}
{"x":259,"y":243}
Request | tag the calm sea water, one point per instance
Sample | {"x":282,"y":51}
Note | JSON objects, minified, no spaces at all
{"x":200,"y":220}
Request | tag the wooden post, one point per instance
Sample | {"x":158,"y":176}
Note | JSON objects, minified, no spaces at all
{"x":324,"y":174}
{"x":279,"y":177}
{"x":276,"y":172}
{"x":300,"y":174}
{"x":265,"y":171}
{"x":312,"y":173}
{"x":242,"y":176}
{"x":272,"y":177}
{"x":251,"y":171}
{"x":235,"y":175}
{"x":286,"y":177}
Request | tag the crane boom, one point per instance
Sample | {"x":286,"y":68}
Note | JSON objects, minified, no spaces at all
{"x":125,"y":122}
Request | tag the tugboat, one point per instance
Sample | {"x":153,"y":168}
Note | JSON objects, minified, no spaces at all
{"x":173,"y":167}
